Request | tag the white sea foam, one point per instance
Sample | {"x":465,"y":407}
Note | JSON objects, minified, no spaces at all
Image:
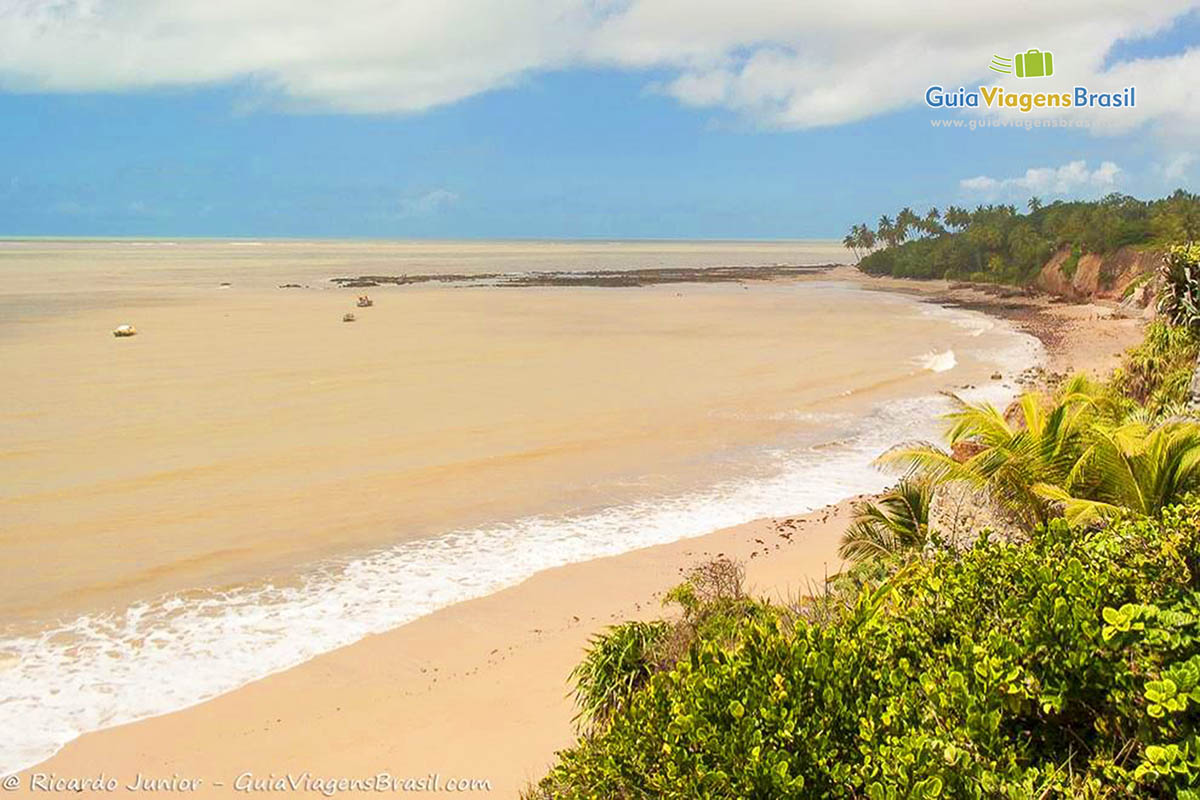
{"x":937,"y":362}
{"x":102,"y":670}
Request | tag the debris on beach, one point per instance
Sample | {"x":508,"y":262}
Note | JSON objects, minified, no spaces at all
{"x":365,"y":302}
{"x":124,"y":330}
{"x":348,"y":318}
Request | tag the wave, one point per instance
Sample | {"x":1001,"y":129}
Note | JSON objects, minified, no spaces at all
{"x":109,"y":669}
{"x":937,"y":362}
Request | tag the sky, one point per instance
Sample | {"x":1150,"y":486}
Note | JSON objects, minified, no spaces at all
{"x":567,"y":119}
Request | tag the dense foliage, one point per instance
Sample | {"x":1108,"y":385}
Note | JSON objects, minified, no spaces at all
{"x":1084,"y":454}
{"x":896,"y":520}
{"x":997,"y":243}
{"x":1156,"y":376}
{"x":618,"y":663}
{"x":1069,"y":666}
{"x":1180,"y":298}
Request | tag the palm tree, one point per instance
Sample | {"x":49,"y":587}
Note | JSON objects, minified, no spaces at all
{"x":1080,"y":455}
{"x":867,"y":239}
{"x":1034,"y":203}
{"x":896,"y":521}
{"x":1042,"y":445}
{"x":906,"y":220}
{"x":957,"y":217}
{"x":1130,"y":467}
{"x":850,"y":242}
{"x":888,"y":231}
{"x":932,"y":223}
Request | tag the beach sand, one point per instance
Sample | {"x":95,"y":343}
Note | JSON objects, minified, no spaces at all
{"x":478,"y":690}
{"x":1079,"y":337}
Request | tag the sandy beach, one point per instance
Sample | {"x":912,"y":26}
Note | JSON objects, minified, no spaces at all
{"x":478,"y":690}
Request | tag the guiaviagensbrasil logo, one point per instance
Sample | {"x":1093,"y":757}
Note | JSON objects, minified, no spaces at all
{"x":1032,"y":63}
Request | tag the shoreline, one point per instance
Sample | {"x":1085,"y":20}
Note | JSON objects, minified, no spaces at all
{"x":1068,"y":330}
{"x":448,"y":669}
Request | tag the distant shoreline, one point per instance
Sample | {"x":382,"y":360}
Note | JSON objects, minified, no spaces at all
{"x":1068,"y":330}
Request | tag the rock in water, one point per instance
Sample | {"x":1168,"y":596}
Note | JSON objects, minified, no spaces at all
{"x":124,"y":330}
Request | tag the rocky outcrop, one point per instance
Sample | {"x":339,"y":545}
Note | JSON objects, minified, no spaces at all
{"x":958,"y":512}
{"x":1116,"y":276}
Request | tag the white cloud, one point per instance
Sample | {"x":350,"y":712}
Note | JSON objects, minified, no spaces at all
{"x":778,"y":62}
{"x":1072,"y":178}
{"x":428,"y":203}
{"x":981,"y":183}
{"x":1176,"y":167}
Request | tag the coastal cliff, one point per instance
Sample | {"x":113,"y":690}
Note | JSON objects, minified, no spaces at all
{"x":1124,"y":275}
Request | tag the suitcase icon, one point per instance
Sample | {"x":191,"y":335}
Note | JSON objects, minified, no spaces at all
{"x":1034,"y":64}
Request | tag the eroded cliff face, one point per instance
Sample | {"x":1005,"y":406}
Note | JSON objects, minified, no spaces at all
{"x":1125,"y":275}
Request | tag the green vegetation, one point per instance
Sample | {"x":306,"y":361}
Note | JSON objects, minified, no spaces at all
{"x":622,"y":660}
{"x":1156,"y":375}
{"x":1180,"y":301}
{"x":997,"y":243}
{"x":1064,"y":662}
{"x":1083,"y":454}
{"x":896,"y":520}
{"x":1067,"y":667}
{"x":618,"y":663}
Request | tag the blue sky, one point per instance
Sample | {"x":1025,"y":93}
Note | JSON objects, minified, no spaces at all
{"x":613,"y":147}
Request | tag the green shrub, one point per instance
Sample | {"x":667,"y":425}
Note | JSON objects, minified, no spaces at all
{"x":1065,"y":667}
{"x":1071,"y":263}
{"x":1180,"y":298}
{"x":618,"y":662}
{"x":1157,"y":373}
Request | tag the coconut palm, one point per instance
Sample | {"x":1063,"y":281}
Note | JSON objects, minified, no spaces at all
{"x":896,"y":521}
{"x":850,"y":242}
{"x":957,"y":217}
{"x":906,"y":220}
{"x":932,"y":224}
{"x":888,"y":231}
{"x":866,"y":238}
{"x":1083,"y":454}
{"x":1040,"y":445}
{"x":1130,"y":468}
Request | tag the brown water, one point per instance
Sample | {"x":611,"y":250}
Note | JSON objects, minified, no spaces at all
{"x":247,"y":435}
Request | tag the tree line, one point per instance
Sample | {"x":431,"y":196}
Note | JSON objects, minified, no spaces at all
{"x":997,"y":243}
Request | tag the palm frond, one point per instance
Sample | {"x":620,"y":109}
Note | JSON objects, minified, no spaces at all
{"x":896,"y":521}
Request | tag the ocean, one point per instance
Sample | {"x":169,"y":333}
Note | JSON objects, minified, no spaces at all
{"x":250,"y":481}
